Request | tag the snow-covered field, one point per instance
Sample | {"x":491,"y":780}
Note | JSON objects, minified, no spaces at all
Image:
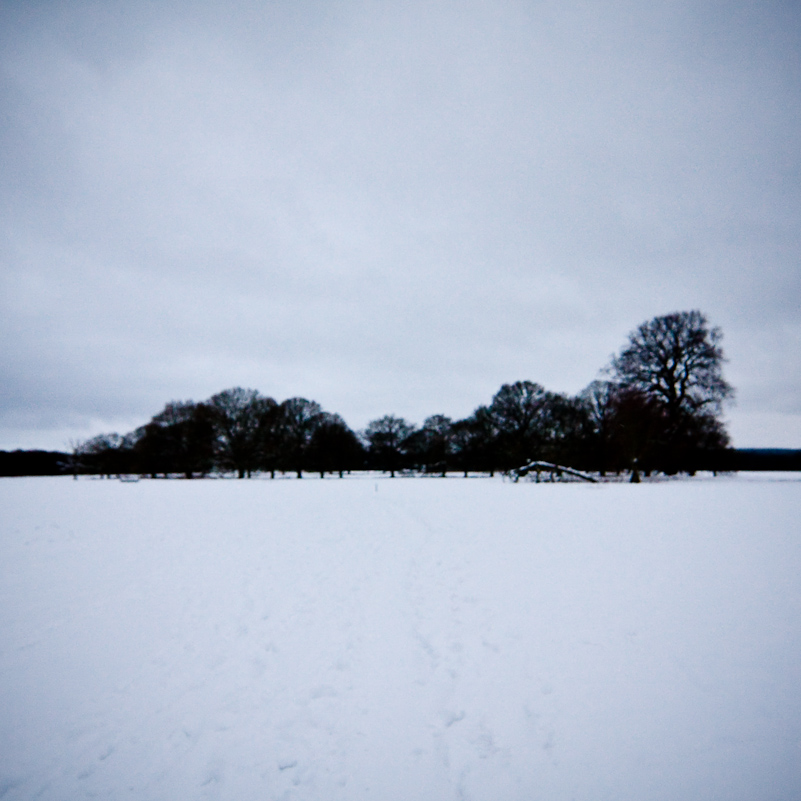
{"x":400,"y":639}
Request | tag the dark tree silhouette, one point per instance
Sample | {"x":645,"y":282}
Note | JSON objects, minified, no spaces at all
{"x":638,"y":431}
{"x":522,"y":414}
{"x":387,"y":442}
{"x":34,"y":463}
{"x":106,"y":454}
{"x":671,"y":369}
{"x":659,"y":411}
{"x":333,"y":447}
{"x":598,"y":400}
{"x":153,"y":450}
{"x":180,"y":439}
{"x":567,"y":431}
{"x":475,"y":442}
{"x":297,"y":420}
{"x":269,"y":436}
{"x":237,"y":415}
{"x":431,"y":447}
{"x":677,"y":359}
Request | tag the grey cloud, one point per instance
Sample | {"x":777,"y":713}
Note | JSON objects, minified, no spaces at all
{"x":389,"y":208}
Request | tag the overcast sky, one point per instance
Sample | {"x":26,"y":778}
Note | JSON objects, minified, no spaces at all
{"x":389,"y":207}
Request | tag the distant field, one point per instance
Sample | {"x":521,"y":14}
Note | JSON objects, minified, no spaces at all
{"x":400,"y":639}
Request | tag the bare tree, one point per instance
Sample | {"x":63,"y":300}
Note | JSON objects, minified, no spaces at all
{"x":599,"y":400}
{"x":333,"y":447}
{"x":678,"y":360}
{"x":180,"y":439}
{"x":522,"y":413}
{"x":431,"y":446}
{"x":105,"y":454}
{"x":237,"y":414}
{"x":387,"y":438}
{"x":475,"y":442}
{"x":669,"y":391}
{"x":297,"y":420}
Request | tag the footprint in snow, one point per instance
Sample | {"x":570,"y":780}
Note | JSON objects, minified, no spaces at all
{"x":450,"y":717}
{"x":107,"y":752}
{"x":212,"y":778}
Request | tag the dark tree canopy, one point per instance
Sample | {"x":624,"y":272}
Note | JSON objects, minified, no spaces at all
{"x":474,"y":442}
{"x":181,"y":439}
{"x":237,"y":414}
{"x":661,"y":410}
{"x":297,"y":420}
{"x":387,"y":441}
{"x":518,"y":408}
{"x":533,"y":423}
{"x":430,"y":448}
{"x":677,"y":359}
{"x":333,"y":447}
{"x":658,"y":410}
{"x":103,"y":454}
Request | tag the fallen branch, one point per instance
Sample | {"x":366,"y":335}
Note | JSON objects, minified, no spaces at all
{"x":553,"y":469}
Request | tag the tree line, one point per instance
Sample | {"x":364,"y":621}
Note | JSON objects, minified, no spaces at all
{"x":656,"y":408}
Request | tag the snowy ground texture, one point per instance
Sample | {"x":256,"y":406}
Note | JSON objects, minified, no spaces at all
{"x":402,"y":639}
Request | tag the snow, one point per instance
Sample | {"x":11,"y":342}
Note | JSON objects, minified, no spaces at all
{"x":375,"y":638}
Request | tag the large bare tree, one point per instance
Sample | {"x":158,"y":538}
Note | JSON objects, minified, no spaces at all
{"x":237,"y":415}
{"x":676,"y":359}
{"x":387,"y":440}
